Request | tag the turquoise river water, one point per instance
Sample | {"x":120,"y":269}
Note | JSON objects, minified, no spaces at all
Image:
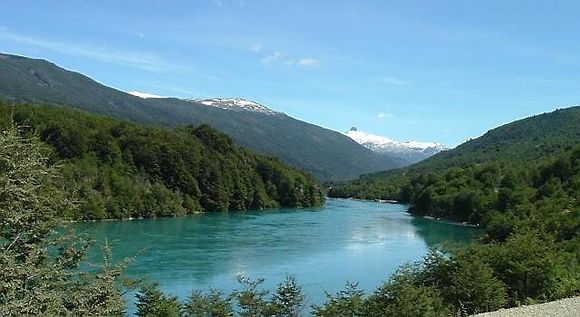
{"x":346,"y":240}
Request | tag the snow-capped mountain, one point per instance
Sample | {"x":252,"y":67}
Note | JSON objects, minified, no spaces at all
{"x":144,"y":95}
{"x":237,"y":104}
{"x":412,"y":151}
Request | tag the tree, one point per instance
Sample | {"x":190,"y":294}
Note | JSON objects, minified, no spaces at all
{"x":405,"y":294}
{"x":288,"y":299}
{"x":38,"y":265}
{"x":210,"y":304}
{"x":349,"y":302}
{"x":252,"y":299}
{"x":473,"y":288}
{"x":152,"y":302}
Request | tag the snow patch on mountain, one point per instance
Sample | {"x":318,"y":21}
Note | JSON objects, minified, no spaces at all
{"x":144,"y":95}
{"x":413,"y":151}
{"x":237,"y":104}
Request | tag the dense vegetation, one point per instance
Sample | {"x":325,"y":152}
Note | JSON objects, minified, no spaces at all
{"x":36,"y":265}
{"x":481,"y":193}
{"x":123,"y":170}
{"x":327,"y":154}
{"x":522,"y":183}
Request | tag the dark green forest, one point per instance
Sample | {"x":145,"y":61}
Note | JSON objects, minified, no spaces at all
{"x":122,"y":170}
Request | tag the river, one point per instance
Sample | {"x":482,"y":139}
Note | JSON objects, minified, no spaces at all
{"x":346,"y":240}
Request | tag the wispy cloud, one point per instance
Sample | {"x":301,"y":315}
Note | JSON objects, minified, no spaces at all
{"x":273,"y":58}
{"x":221,"y":3}
{"x":307,"y":62}
{"x":384,"y":115}
{"x":269,"y":57}
{"x":256,"y":48}
{"x":278,"y":57}
{"x":134,"y":59}
{"x":394,"y":81}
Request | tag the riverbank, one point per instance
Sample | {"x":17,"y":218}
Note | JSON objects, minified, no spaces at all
{"x":569,"y":307}
{"x":427,"y":217}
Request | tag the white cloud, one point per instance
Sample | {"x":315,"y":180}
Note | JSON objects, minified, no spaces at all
{"x":273,"y":58}
{"x":218,"y":3}
{"x":394,"y":81}
{"x":256,"y":48}
{"x":134,"y":59}
{"x":307,"y":62}
{"x":279,"y":58}
{"x":384,"y":115}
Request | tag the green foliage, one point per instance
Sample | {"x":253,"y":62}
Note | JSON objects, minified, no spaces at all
{"x":152,"y":302}
{"x":210,"y":304}
{"x":124,"y":170}
{"x":501,"y":156}
{"x":251,"y":301}
{"x":468,"y":283}
{"x":288,"y":300}
{"x":348,"y":302}
{"x":402,"y":295}
{"x":542,"y":195}
{"x":532,"y":267}
{"x":39,"y":273}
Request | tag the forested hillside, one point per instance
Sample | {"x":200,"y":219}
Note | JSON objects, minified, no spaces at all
{"x":327,"y":154}
{"x":122,"y":170}
{"x":470,"y":181}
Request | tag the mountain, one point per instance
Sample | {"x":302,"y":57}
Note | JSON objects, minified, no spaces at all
{"x":328,"y":154}
{"x":518,"y":142}
{"x":409,"y":151}
{"x":518,"y":146}
{"x":238,"y":104}
{"x":144,"y":95}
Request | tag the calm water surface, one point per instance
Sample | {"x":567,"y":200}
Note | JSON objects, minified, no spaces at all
{"x":346,"y":240}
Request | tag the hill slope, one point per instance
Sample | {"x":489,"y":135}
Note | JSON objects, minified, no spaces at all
{"x":327,"y":154}
{"x":123,"y":169}
{"x":518,"y":142}
{"x":514,"y":166}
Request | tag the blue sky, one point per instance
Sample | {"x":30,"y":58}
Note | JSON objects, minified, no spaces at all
{"x":422,"y":70}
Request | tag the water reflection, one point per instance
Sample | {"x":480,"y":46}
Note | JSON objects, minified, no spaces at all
{"x":345,"y":240}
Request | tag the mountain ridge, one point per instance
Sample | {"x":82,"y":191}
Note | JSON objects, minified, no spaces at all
{"x":408,"y":151}
{"x":327,"y":154}
{"x":519,"y":143}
